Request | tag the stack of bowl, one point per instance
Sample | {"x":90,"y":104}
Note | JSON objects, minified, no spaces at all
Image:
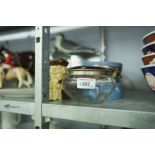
{"x":117,"y":69}
{"x":149,"y":59}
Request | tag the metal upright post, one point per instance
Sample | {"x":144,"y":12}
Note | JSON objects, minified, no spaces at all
{"x":42,"y":45}
{"x":102,"y":44}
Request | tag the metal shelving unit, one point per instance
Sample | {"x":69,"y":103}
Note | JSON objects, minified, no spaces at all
{"x":18,"y":105}
{"x":33,"y":106}
{"x":135,"y":110}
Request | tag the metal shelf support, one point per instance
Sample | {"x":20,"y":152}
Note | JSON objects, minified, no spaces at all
{"x":102,"y":43}
{"x":42,"y":45}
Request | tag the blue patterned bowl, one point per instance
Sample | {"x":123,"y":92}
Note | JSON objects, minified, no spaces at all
{"x":149,"y":74}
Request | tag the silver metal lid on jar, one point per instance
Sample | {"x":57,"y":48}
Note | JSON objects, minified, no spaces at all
{"x":95,"y":71}
{"x":83,"y":70}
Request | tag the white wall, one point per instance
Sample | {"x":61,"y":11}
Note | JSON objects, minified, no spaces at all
{"x":124,"y":45}
{"x":21,"y":45}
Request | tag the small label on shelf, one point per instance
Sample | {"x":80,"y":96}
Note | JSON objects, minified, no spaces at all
{"x":86,"y":83}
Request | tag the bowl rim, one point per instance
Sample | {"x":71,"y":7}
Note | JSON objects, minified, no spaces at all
{"x":147,"y":45}
{"x":105,"y":61}
{"x":150,"y":33}
{"x":147,"y":55}
{"x":147,"y":66}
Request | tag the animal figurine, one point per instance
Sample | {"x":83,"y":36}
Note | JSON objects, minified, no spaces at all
{"x":69,"y":47}
{"x":19,"y":73}
{"x":25,"y":59}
